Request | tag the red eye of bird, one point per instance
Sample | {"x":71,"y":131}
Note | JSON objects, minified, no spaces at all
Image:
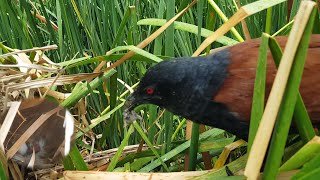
{"x":150,"y":91}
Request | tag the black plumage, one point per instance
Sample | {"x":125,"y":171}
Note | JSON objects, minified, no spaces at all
{"x":217,"y":90}
{"x":186,"y":87}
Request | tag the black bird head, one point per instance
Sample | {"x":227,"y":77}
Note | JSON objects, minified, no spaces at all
{"x":181,"y":85}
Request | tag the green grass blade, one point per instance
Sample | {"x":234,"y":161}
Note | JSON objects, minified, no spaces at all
{"x":285,"y":115}
{"x":98,"y":120}
{"x":268,"y":20}
{"x":116,"y":157}
{"x":145,"y":138}
{"x":158,"y":42}
{"x":214,"y":144}
{"x":234,"y":166}
{"x":49,"y":27}
{"x":68,"y":164}
{"x":139,"y":163}
{"x":194,"y":141}
{"x":4,"y":174}
{"x":316,"y":26}
{"x":87,"y":60}
{"x":302,"y":120}
{"x":225,"y":19}
{"x":77,"y":159}
{"x":169,"y":38}
{"x":174,"y":135}
{"x":309,"y":167}
{"x":179,"y":149}
{"x":284,"y":30}
{"x":188,"y":28}
{"x":310,"y":175}
{"x":200,"y":6}
{"x":169,"y":51}
{"x":121,"y":28}
{"x":137,"y":51}
{"x":83,"y":90}
{"x":193,"y":146}
{"x":305,"y":154}
{"x":152,"y":129}
{"x":300,"y":115}
{"x":259,"y":89}
{"x":168,"y":117}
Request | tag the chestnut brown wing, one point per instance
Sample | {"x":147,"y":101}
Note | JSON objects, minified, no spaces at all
{"x":237,"y":90}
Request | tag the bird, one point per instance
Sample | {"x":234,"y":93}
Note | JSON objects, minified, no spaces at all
{"x":216,"y":90}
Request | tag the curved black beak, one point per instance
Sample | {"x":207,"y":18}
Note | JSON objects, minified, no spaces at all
{"x":129,"y":114}
{"x":131,"y":102}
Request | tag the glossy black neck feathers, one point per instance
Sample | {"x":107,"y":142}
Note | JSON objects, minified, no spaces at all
{"x":218,"y":115}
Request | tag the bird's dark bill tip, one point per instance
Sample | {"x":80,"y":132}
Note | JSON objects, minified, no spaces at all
{"x":129,"y":115}
{"x":130,"y":103}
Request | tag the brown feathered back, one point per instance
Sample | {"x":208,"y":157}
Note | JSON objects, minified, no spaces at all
{"x":237,"y":90}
